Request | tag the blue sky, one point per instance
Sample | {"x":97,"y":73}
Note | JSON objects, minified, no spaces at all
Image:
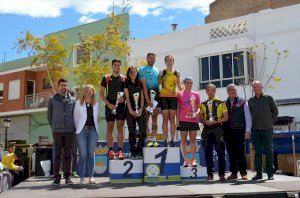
{"x":147,"y":17}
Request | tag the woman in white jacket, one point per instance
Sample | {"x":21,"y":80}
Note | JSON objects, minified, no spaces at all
{"x":86,"y":113}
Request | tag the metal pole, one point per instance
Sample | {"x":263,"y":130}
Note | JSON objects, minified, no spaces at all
{"x":294,"y":155}
{"x":6,"y":138}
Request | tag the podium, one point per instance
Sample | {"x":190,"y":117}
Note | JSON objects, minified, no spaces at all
{"x":126,"y":171}
{"x":193,"y":174}
{"x":161,"y":165}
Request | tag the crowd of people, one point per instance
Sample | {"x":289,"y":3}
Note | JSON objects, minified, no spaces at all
{"x":138,"y":97}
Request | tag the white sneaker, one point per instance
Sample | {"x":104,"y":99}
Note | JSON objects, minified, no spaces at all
{"x":82,"y":182}
{"x":92,"y":180}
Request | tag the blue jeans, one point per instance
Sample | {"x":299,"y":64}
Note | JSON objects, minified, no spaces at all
{"x":87,"y":142}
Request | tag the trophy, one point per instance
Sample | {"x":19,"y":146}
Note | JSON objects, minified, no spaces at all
{"x":152,"y":98}
{"x":193,"y":104}
{"x":209,"y":105}
{"x":136,"y":101}
{"x":120,"y":94}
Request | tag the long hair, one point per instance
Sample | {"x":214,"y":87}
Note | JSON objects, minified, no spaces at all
{"x":137,"y":80}
{"x":83,"y":94}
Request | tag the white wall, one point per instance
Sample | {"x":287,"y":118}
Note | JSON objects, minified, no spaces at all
{"x":281,"y":26}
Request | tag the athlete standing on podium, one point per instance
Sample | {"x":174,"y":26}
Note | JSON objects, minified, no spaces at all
{"x":170,"y":81}
{"x":110,"y":86}
{"x":149,"y":78}
{"x":135,"y":114}
{"x":188,"y":120}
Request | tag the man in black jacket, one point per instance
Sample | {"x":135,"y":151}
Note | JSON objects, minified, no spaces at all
{"x":60,"y":117}
{"x":237,"y":129}
{"x":264,"y":113}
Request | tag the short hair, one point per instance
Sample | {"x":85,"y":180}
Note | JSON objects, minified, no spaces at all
{"x":231,"y":85}
{"x":169,"y":56}
{"x":116,"y":61}
{"x":18,"y":154}
{"x":210,"y":85}
{"x":12,"y":144}
{"x":256,"y":82}
{"x":151,"y":54}
{"x":62,"y":80}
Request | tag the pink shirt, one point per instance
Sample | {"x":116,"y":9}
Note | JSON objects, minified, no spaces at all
{"x":185,"y":107}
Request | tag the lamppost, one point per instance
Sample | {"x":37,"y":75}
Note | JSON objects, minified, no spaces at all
{"x":6,"y":125}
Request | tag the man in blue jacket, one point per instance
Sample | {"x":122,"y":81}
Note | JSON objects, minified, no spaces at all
{"x":60,"y":117}
{"x":237,"y":129}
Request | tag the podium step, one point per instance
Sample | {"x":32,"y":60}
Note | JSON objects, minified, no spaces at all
{"x":193,"y":174}
{"x":162,"y":165}
{"x":126,"y":171}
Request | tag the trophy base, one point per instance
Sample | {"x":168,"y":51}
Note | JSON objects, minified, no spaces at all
{"x":211,"y":120}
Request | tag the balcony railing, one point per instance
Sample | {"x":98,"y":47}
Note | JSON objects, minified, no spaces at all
{"x":37,"y":100}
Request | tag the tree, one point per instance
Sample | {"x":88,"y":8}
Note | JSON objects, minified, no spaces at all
{"x":98,"y":50}
{"x":47,"y":51}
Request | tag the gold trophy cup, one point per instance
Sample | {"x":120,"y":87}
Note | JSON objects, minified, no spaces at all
{"x":120,"y":94}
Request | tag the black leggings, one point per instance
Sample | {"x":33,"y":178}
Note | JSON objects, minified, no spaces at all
{"x":131,"y":123}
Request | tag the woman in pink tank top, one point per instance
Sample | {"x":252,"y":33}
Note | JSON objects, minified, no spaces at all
{"x":188,"y":119}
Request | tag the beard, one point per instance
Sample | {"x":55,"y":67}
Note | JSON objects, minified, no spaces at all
{"x":63,"y":91}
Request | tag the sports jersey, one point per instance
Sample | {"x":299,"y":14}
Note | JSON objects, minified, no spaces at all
{"x":168,"y":84}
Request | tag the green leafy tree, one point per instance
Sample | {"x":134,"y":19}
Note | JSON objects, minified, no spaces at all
{"x":47,"y":51}
{"x":98,"y":50}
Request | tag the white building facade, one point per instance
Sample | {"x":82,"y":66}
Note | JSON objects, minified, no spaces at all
{"x":233,"y":51}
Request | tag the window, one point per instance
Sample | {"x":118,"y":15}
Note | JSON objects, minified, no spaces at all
{"x":1,"y":93}
{"x":46,"y":84}
{"x":79,"y":55}
{"x":225,"y":69}
{"x":250,"y":59}
{"x":14,"y":90}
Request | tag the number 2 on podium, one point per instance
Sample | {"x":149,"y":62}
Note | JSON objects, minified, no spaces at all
{"x":126,"y":173}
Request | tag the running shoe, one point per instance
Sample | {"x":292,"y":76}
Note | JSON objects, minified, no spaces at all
{"x":165,"y":143}
{"x":155,"y":144}
{"x":186,"y":163}
{"x":172,"y":144}
{"x":111,"y":155}
{"x":92,"y":180}
{"x":120,"y":155}
{"x":149,"y":143}
{"x":74,"y":174}
{"x":194,"y":163}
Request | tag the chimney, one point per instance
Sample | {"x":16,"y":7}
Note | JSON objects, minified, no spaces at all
{"x":174,"y":26}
